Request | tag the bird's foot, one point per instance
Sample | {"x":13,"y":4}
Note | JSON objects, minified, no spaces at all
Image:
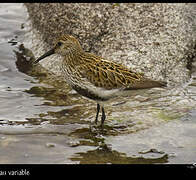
{"x":96,"y":128}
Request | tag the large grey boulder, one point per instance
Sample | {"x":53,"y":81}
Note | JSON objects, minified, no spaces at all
{"x":153,"y":38}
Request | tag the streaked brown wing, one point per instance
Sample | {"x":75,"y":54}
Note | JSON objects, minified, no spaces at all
{"x":109,"y":75}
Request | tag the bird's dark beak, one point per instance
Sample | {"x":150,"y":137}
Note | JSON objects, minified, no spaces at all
{"x":44,"y":55}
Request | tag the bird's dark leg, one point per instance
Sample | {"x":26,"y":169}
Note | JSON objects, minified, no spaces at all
{"x":103,"y":117}
{"x":98,"y":108}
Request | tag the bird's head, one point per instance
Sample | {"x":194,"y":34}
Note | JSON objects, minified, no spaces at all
{"x":64,"y":45}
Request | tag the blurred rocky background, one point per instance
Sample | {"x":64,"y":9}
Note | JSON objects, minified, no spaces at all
{"x":157,"y":39}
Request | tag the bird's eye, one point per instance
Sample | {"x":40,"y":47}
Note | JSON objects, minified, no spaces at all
{"x":59,"y":43}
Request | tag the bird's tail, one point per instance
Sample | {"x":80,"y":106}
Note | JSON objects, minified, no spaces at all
{"x":147,"y":83}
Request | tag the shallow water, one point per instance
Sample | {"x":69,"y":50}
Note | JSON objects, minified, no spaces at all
{"x":43,"y":121}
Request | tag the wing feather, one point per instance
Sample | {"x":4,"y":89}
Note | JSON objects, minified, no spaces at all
{"x":108,"y":75}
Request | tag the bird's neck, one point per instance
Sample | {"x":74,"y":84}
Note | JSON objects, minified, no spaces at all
{"x":73,"y":57}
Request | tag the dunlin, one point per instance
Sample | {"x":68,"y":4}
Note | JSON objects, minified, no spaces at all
{"x":94,"y":77}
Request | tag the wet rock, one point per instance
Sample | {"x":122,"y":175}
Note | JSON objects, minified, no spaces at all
{"x":2,"y":138}
{"x":50,"y":145}
{"x":74,"y":143}
{"x":156,"y":39}
{"x":151,"y":151}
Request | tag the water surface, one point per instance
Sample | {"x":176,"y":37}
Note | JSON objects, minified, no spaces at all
{"x":43,"y":121}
